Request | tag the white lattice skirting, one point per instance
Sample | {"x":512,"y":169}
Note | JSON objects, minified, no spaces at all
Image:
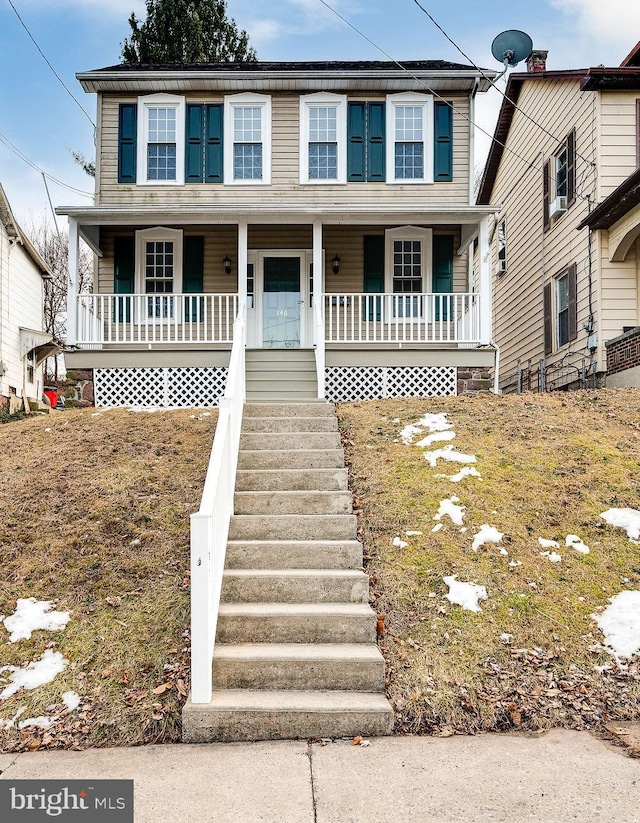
{"x":346,"y":383}
{"x":185,"y":387}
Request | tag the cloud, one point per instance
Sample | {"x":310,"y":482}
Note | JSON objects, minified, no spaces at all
{"x":612,"y":21}
{"x":113,"y":8}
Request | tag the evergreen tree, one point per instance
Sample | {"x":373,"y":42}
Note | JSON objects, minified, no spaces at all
{"x":186,"y":31}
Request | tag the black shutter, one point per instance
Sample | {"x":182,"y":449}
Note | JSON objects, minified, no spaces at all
{"x":123,"y":274}
{"x":194,"y":138}
{"x":443,"y":142}
{"x":442,"y":276}
{"x":548,"y":324}
{"x":373,"y":274}
{"x":573,"y":301}
{"x":376,"y":149}
{"x":193,"y":275}
{"x":571,"y":167}
{"x":356,"y":145}
{"x":127,"y":142}
{"x":213,"y":165}
{"x":546,"y":194}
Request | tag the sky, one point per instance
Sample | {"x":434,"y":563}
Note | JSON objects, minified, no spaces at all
{"x":42,"y":121}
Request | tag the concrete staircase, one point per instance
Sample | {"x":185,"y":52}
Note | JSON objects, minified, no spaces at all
{"x":296,"y":653}
{"x":283,"y":375}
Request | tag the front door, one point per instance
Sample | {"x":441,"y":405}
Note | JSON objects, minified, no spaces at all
{"x":281,"y":303}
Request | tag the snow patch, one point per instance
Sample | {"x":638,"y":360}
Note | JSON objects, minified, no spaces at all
{"x":620,"y":624}
{"x":448,"y":453}
{"x":548,"y":544}
{"x":437,"y":437}
{"x":466,"y":595}
{"x":515,"y":563}
{"x":465,"y":471}
{"x":39,"y":722}
{"x":31,"y":615}
{"x":628,"y":519}
{"x":505,"y":637}
{"x":9,"y":724}
{"x":399,"y":543}
{"x":34,"y":674}
{"x":554,"y":557}
{"x":412,"y":534}
{"x":449,"y":508}
{"x":409,"y":433}
{"x":574,"y":542}
{"x":487,"y":534}
{"x":437,"y":527}
{"x":71,"y":701}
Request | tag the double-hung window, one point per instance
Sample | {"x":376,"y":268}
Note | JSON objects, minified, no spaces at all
{"x":562,"y":307}
{"x":159,"y":270}
{"x":408,"y":252}
{"x":247,"y":144}
{"x":161,"y":147}
{"x":323,"y":138}
{"x":502,"y":247}
{"x":559,"y":180}
{"x":410,"y":138}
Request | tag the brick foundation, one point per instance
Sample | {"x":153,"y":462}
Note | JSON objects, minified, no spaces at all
{"x":623,"y":352}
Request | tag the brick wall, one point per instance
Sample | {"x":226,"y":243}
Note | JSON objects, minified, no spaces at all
{"x":623,"y":352}
{"x":474,"y":380}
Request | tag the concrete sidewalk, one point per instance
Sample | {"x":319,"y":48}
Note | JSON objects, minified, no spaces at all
{"x":555,"y":778}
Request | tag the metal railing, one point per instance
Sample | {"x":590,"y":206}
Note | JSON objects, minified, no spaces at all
{"x":155,"y":318}
{"x":210,"y":525}
{"x":402,"y":318}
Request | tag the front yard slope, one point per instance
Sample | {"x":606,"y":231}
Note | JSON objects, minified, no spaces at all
{"x":532,"y":657}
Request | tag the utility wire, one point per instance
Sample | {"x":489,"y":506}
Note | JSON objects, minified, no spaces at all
{"x":44,"y":57}
{"x":25,"y":159}
{"x":495,"y":85}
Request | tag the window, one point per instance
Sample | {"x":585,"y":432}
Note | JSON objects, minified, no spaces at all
{"x":561,"y":173}
{"x":31,"y":367}
{"x":562,"y":303}
{"x":408,"y":260}
{"x":559,"y":180}
{"x":161,"y":147}
{"x":322,"y":138}
{"x":409,"y":137}
{"x":502,"y":247}
{"x":561,"y":310}
{"x":247,"y":144}
{"x":159,"y":270}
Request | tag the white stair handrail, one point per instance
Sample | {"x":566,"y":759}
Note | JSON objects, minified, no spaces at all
{"x":319,"y":341}
{"x":210,"y":525}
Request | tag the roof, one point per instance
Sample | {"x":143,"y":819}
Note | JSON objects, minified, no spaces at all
{"x":17,"y":235}
{"x":287,"y":76}
{"x":616,"y":79}
{"x":616,"y":205}
{"x":633,"y":58}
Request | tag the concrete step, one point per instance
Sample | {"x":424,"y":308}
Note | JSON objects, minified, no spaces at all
{"x":281,"y":383}
{"x":285,"y":355}
{"x":296,"y":623}
{"x":293,"y":554}
{"x":292,"y":480}
{"x":293,"y":502}
{"x":246,"y":714}
{"x":356,"y":666}
{"x":277,"y":425}
{"x":272,"y":396}
{"x":291,"y":458}
{"x":265,"y":440}
{"x":295,"y":586}
{"x":317,"y":408}
{"x":269,"y":367}
{"x":293,"y":527}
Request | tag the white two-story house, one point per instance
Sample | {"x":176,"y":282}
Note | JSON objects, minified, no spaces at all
{"x":334,"y":200}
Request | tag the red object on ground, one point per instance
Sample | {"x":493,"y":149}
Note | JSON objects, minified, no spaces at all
{"x":52,"y":394}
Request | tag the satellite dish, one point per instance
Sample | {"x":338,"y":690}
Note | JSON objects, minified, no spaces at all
{"x":511,"y":47}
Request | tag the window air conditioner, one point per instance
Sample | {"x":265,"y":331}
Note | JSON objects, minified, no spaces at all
{"x":501,"y":267}
{"x":558,"y":206}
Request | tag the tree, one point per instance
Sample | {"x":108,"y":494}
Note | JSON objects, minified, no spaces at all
{"x":186,"y":31}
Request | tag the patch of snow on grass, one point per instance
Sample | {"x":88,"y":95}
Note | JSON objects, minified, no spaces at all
{"x":39,"y":722}
{"x":409,"y":433}
{"x":628,"y":519}
{"x":35,"y":674}
{"x":465,"y":471}
{"x":413,"y":534}
{"x":449,"y":508}
{"x":554,"y":557}
{"x":399,"y":543}
{"x":71,"y":700}
{"x":620,"y":624}
{"x":548,"y":544}
{"x":505,"y":637}
{"x":32,"y":614}
{"x":574,"y":542}
{"x":515,"y":563}
{"x":437,"y":437}
{"x":432,"y":422}
{"x":9,"y":724}
{"x":487,"y":534}
{"x":466,"y":595}
{"x":448,"y":453}
{"x":437,"y":527}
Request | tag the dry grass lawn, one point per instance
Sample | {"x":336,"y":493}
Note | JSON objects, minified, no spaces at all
{"x":551,"y":464}
{"x":95,"y":518}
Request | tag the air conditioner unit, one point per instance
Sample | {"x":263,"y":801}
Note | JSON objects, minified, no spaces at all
{"x":558,"y":206}
{"x":501,"y":267}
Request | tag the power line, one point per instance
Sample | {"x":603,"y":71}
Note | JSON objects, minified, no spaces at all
{"x":44,"y":57}
{"x":495,"y":85}
{"x":5,"y":140}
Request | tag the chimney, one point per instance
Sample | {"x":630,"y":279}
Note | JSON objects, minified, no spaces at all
{"x":537,"y":61}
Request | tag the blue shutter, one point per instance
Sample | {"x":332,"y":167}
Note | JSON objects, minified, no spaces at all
{"x":127,"y":142}
{"x":213,"y":144}
{"x":356,"y":144}
{"x":442,"y":277}
{"x":123,"y":271}
{"x":193,"y":275}
{"x":194,"y":138}
{"x":376,"y":127}
{"x":443,"y":142}
{"x":373,"y":274}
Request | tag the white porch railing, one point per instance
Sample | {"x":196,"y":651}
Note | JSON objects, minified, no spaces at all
{"x":319,"y":343}
{"x":155,"y":318}
{"x":402,"y":318}
{"x":210,"y":525}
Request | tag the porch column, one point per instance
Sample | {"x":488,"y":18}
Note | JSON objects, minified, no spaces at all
{"x":318,"y":305}
{"x":243,"y":235}
{"x":484,"y":283}
{"x":72,"y":283}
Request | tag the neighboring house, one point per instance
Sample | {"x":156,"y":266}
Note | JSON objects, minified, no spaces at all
{"x":24,"y":345}
{"x":336,"y":199}
{"x":564,"y":251}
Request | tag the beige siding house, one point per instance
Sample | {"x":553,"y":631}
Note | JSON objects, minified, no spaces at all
{"x":564,"y":269}
{"x":333,"y":200}
{"x":24,"y":344}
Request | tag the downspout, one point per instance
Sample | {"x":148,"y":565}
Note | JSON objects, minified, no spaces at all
{"x":543,"y":272}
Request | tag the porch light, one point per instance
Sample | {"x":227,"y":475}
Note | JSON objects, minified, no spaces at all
{"x":227,"y":264}
{"x":336,"y":264}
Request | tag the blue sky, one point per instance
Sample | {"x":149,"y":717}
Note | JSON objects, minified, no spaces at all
{"x":44,"y":123}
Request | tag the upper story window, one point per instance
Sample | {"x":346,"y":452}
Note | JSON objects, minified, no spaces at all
{"x":247,"y":140}
{"x":410,"y":138}
{"x":161,"y":143}
{"x":559,"y":180}
{"x":323,"y":138}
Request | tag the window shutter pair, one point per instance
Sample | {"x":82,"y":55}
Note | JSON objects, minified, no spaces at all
{"x":203,"y":143}
{"x":366,"y":125}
